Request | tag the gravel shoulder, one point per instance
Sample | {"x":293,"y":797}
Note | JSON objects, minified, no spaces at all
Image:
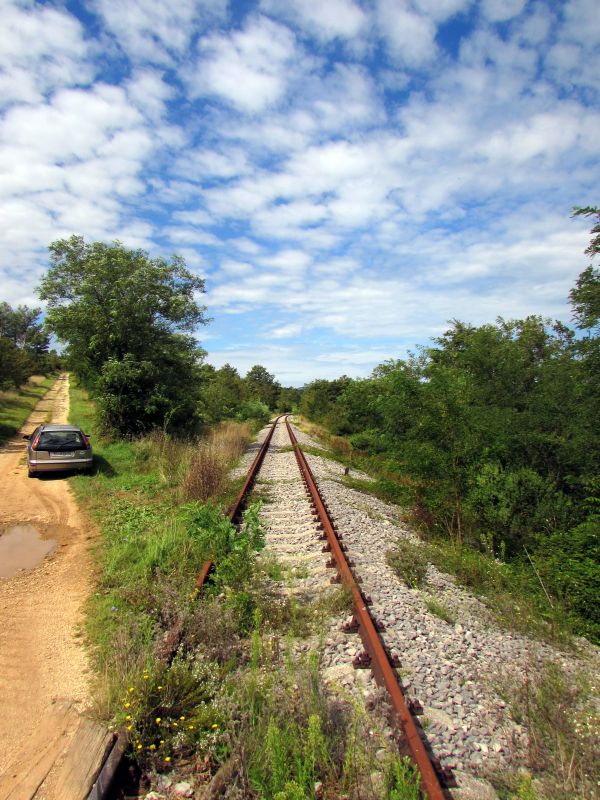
{"x":42,"y":658}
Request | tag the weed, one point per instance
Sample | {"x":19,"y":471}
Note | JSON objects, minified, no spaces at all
{"x":512,"y":591}
{"x":563,"y":723}
{"x":409,"y":562}
{"x":402,"y":780}
{"x":211,"y":460}
{"x":169,"y":711}
{"x":434,"y":606}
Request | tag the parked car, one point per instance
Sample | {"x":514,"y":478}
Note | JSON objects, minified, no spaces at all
{"x":54,"y":448}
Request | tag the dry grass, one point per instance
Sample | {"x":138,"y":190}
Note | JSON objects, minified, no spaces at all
{"x":211,"y":460}
{"x":195,"y":470}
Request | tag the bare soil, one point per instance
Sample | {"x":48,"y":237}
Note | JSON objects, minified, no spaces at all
{"x":43,"y":661}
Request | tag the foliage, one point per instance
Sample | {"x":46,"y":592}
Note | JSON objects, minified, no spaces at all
{"x":23,"y":346}
{"x":439,"y":609}
{"x":254,"y":409}
{"x":17,"y":404}
{"x":494,"y":432}
{"x":563,"y":724}
{"x":127,"y":321}
{"x":402,"y":780}
{"x":261,"y":385}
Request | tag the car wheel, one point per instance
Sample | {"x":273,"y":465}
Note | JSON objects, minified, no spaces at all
{"x":31,"y":473}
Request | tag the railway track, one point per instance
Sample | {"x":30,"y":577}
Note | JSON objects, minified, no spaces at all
{"x":319,"y":549}
{"x":301,"y":530}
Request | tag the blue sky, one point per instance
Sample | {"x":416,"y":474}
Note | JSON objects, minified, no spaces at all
{"x":346,"y":175}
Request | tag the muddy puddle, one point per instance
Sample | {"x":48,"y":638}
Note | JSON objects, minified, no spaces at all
{"x":22,"y":547}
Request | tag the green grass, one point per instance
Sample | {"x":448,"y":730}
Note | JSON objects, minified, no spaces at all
{"x":511,"y":591}
{"x":439,"y":609}
{"x":17,"y":405}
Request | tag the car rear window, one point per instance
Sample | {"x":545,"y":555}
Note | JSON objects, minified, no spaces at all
{"x":60,"y":440}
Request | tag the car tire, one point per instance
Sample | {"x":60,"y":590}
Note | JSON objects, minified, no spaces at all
{"x":31,"y":473}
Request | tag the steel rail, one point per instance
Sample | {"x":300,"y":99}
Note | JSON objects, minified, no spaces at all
{"x":235,"y":512}
{"x":380,"y":662}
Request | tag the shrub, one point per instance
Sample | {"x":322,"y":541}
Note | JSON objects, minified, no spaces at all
{"x":254,"y":409}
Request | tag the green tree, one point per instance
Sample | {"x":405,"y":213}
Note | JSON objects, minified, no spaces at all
{"x":261,"y":385}
{"x":289,"y":399}
{"x":24,"y":344}
{"x":222,"y":393}
{"x":127,"y":321}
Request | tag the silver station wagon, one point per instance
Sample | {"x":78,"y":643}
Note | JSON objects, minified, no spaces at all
{"x":55,"y":448}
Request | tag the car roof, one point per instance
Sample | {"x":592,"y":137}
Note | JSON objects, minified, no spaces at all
{"x":55,"y":427}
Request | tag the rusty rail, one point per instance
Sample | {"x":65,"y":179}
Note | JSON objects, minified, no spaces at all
{"x":235,"y":512}
{"x":377,"y":657}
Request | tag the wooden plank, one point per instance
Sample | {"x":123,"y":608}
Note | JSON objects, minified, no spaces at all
{"x":24,"y":776}
{"x":82,"y":762}
{"x":109,"y":769}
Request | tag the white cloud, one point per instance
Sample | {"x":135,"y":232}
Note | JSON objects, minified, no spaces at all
{"x":441,"y":10}
{"x":410,"y":36}
{"x":248,"y":68}
{"x":501,"y":10}
{"x":41,"y":48}
{"x":290,"y":331}
{"x":326,"y":21}
{"x":154,"y":31}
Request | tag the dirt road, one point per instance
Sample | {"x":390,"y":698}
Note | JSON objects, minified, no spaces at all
{"x":42,"y":659}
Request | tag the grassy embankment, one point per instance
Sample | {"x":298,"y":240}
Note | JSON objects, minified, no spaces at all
{"x":235,"y":704}
{"x":17,"y":404}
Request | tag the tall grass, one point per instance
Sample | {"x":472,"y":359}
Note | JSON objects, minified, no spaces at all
{"x":211,"y":461}
{"x":563,"y":721}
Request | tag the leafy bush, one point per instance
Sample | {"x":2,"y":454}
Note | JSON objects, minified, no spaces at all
{"x":517,"y":505}
{"x":254,"y":409}
{"x":569,"y":562}
{"x":369,"y":441}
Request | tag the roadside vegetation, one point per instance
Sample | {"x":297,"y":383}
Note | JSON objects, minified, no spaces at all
{"x":17,"y":404}
{"x":490,"y":437}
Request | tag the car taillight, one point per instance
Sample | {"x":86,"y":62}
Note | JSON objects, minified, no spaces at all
{"x":35,"y":442}
{"x":86,"y":441}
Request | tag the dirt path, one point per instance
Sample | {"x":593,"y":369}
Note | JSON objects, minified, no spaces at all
{"x":42,"y":660}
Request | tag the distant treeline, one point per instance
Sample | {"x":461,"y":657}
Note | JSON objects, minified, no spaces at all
{"x":494,"y":433}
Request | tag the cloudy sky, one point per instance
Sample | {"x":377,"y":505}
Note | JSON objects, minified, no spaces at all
{"x":347,"y":175}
